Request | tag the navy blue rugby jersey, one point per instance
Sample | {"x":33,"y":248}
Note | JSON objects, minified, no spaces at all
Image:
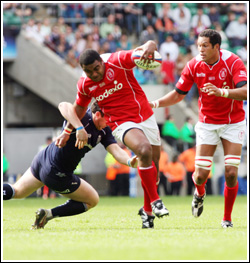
{"x":67,"y":158}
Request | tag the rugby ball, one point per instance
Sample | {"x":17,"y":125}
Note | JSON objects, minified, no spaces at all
{"x":152,"y":64}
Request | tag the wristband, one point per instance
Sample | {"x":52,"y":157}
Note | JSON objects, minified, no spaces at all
{"x":156,"y":103}
{"x":80,"y":128}
{"x":224,"y":93}
{"x":67,"y":131}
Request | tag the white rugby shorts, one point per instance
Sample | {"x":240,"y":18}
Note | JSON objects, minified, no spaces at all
{"x":149,"y":127}
{"x":211,"y":133}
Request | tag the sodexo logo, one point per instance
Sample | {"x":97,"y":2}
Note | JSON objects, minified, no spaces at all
{"x":110,"y":91}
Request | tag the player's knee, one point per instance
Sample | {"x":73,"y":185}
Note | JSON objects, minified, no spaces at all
{"x":230,"y":173}
{"x":94,"y":200}
{"x":232,"y":160}
{"x":145,"y":151}
{"x":204,"y":162}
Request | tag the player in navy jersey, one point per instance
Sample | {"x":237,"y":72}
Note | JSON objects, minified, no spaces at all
{"x":110,"y":80}
{"x":54,"y":166}
{"x":221,"y":79}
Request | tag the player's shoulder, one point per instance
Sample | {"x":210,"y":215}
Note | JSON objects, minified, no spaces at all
{"x":227,"y":55}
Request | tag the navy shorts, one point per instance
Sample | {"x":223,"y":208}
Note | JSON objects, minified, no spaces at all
{"x":60,"y":182}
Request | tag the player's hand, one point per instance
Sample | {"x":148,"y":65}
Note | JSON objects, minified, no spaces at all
{"x":148,"y":51}
{"x":81,"y":138}
{"x":133,"y":162}
{"x":61,"y":140}
{"x":211,"y":89}
{"x":151,"y":104}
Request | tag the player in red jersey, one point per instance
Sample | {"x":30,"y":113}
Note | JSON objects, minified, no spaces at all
{"x":221,"y":79}
{"x":110,"y":80}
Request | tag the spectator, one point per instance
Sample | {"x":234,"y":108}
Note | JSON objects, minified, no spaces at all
{"x":89,"y":26}
{"x":54,"y":36}
{"x":168,"y":71}
{"x":238,"y":8}
{"x":224,"y":39}
{"x":182,"y":18}
{"x":119,"y":15}
{"x":88,"y":9}
{"x":162,"y":170}
{"x":164,"y":24}
{"x":200,"y":20}
{"x":138,"y":73}
{"x":170,"y":132}
{"x":148,"y":15}
{"x":132,"y":16}
{"x":111,"y":42}
{"x":188,"y":159}
{"x":72,"y":60}
{"x":70,"y":36}
{"x":214,"y":15}
{"x":242,"y":52}
{"x":178,"y":37}
{"x":190,"y":39}
{"x":148,"y":34}
{"x":117,"y":174}
{"x":46,"y":27}
{"x":230,"y":18}
{"x":61,"y":24}
{"x":175,"y":174}
{"x":79,"y":44}
{"x":91,"y":43}
{"x":107,"y":27}
{"x":236,"y":32}
{"x":72,"y":11}
{"x":187,"y":133}
{"x":169,"y":46}
{"x":124,"y":43}
{"x":33,"y":31}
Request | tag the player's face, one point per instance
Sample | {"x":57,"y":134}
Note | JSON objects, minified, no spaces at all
{"x":208,"y":53}
{"x":95,"y":71}
{"x":99,"y":121}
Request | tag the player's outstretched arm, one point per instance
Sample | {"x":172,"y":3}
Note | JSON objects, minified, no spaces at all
{"x":70,"y":113}
{"x":169,"y":99}
{"x":236,"y":94}
{"x":121,"y":156}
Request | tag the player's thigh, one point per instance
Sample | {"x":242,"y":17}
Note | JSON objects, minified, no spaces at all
{"x":26,"y":185}
{"x":205,"y":150}
{"x":135,"y":139}
{"x":231,"y":148}
{"x":85,"y":193}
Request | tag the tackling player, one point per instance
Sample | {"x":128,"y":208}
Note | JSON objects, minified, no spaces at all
{"x":54,"y":166}
{"x":110,"y":80}
{"x":221,"y":79}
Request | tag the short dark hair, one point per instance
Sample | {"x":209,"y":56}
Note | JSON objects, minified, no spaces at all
{"x":213,"y":35}
{"x":89,"y":56}
{"x":95,"y":107}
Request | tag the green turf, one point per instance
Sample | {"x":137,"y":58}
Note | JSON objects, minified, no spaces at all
{"x":112,"y":231}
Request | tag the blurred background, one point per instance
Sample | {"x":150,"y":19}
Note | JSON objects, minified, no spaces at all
{"x":41,"y":46}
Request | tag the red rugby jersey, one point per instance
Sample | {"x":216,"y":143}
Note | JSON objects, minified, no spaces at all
{"x":118,"y":94}
{"x":224,"y":74}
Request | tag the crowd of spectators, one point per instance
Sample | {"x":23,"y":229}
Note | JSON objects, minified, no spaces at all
{"x":68,"y":29}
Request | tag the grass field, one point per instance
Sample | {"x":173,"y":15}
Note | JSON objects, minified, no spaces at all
{"x":112,"y":231}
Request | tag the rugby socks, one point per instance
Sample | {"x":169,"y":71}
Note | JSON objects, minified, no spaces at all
{"x":70,"y":208}
{"x":8,"y":192}
{"x":230,"y":194}
{"x":200,"y":188}
{"x":147,"y":207}
{"x":148,"y":177}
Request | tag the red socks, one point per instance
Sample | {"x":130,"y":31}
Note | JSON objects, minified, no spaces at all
{"x":230,"y":194}
{"x":200,"y":188}
{"x":148,"y":177}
